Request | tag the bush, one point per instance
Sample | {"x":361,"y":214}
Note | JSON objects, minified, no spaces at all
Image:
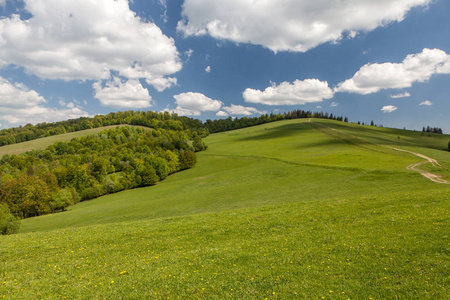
{"x":187,"y":159}
{"x":8,"y":223}
{"x":93,"y":192}
{"x":160,"y":165}
{"x":61,"y":200}
{"x":148,"y":175}
{"x":198,"y":145}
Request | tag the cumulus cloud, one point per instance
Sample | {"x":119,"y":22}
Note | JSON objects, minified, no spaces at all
{"x":419,"y":67}
{"x":289,"y":25}
{"x":118,"y":94}
{"x":193,"y":104}
{"x":162,"y":83}
{"x":334,"y":104}
{"x":85,"y":40}
{"x":208,"y":69}
{"x":426,"y":102}
{"x":297,"y":93}
{"x":221,"y":113}
{"x":402,"y":95}
{"x":388,"y":108}
{"x":19,"y":105}
{"x":242,"y":110}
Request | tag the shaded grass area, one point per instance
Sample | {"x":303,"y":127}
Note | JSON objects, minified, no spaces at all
{"x":42,"y":143}
{"x":382,"y":247}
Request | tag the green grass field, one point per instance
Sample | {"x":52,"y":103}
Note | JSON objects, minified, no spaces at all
{"x":286,"y":210}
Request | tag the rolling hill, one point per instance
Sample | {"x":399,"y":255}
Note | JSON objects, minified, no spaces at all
{"x":305,"y":208}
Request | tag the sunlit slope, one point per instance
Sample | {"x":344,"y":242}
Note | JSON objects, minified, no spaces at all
{"x":282,"y":162}
{"x":389,"y":246}
{"x":330,"y":143}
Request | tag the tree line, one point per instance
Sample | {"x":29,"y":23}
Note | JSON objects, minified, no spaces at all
{"x":156,"y":120}
{"x":432,"y":129}
{"x":220,"y":125}
{"x":45,"y":181}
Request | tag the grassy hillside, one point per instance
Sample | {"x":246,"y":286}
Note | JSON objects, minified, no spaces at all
{"x":291,"y":209}
{"x":43,"y":143}
{"x":287,"y":161}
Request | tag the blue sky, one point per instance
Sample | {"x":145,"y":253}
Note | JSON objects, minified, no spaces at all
{"x":381,"y":60}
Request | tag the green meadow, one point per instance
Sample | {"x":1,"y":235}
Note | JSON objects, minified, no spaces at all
{"x":295,"y":209}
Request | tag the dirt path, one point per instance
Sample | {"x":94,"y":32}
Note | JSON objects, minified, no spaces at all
{"x":430,"y":176}
{"x":413,"y":167}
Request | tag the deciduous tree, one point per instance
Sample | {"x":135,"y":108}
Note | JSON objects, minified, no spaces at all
{"x":8,"y":223}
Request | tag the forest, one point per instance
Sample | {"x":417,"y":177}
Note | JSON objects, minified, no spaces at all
{"x":45,"y":181}
{"x":155,"y":120}
{"x":150,"y":119}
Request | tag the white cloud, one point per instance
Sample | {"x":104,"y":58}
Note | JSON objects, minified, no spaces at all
{"x":188,"y":54}
{"x":419,"y":67}
{"x":426,"y":102}
{"x":221,"y":113}
{"x":193,"y":104}
{"x":297,"y":93}
{"x":68,"y":105}
{"x":2,"y":3}
{"x":388,"y":108}
{"x":444,"y":68}
{"x":85,"y":40}
{"x":130,"y":94}
{"x":208,"y":69}
{"x":334,"y":104}
{"x":162,"y":83}
{"x":289,"y":25}
{"x":402,"y":95}
{"x":352,"y":34}
{"x":18,"y":105}
{"x":163,"y":4}
{"x":242,"y":110}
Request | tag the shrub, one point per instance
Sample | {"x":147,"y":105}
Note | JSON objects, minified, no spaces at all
{"x":8,"y":223}
{"x":95,"y":191}
{"x":187,"y":159}
{"x":61,"y":200}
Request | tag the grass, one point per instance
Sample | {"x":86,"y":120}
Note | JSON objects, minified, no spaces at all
{"x":286,"y":210}
{"x":42,"y":143}
{"x":382,"y":247}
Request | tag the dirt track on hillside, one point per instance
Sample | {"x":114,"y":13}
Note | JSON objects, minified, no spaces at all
{"x":430,"y":176}
{"x":413,"y":167}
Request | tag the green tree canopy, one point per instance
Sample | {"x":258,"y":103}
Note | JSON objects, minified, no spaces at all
{"x":8,"y":223}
